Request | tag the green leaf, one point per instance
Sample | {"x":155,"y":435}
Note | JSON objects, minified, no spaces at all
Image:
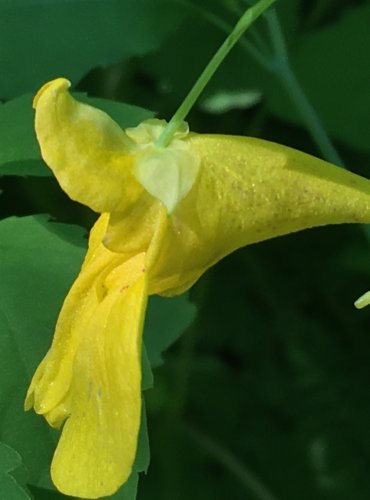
{"x":17,"y":139}
{"x":44,"y":494}
{"x":147,"y":374}
{"x":128,"y":490}
{"x":42,"y":40}
{"x":166,"y":320}
{"x":332,"y":65}
{"x":126,"y":115}
{"x":10,"y":463}
{"x":25,"y":168}
{"x":38,"y":261}
{"x":143,"y":456}
{"x":19,"y":151}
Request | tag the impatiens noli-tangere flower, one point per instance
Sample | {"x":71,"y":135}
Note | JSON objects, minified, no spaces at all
{"x":167,"y":215}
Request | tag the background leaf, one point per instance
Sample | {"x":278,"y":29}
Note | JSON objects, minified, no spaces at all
{"x":69,"y":38}
{"x":336,"y":81}
{"x":10,"y":461}
{"x":38,"y":262}
{"x":166,"y":320}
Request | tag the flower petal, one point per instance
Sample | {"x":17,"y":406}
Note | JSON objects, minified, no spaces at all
{"x":91,"y":375}
{"x":51,"y":382}
{"x":249,"y":190}
{"x":88,"y":152}
{"x":98,"y":443}
{"x":130,"y":232}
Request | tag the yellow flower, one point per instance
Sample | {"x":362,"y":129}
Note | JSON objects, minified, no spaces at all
{"x":168,"y":214}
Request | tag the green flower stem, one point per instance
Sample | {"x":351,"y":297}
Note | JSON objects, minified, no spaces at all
{"x":253,"y":33}
{"x":241,"y":26}
{"x":254,"y":51}
{"x":288,"y":79}
{"x":309,"y":116}
{"x":279,"y":65}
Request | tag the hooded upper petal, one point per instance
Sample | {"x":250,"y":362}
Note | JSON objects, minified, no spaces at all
{"x":88,"y":152}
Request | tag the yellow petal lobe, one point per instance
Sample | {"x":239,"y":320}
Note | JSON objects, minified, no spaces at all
{"x":89,"y":154}
{"x":91,"y":376}
{"x":98,"y":443}
{"x":52,"y":379}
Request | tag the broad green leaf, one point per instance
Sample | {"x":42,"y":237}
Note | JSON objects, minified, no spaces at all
{"x":166,"y":320}
{"x":128,"y":490}
{"x":332,"y":65}
{"x":25,"y":168}
{"x":42,"y":40}
{"x":126,"y":115}
{"x":19,"y":151}
{"x":45,"y":494}
{"x":147,"y":375}
{"x":10,"y":461}
{"x":143,"y":456}
{"x":38,"y":261}
{"x":17,"y":138}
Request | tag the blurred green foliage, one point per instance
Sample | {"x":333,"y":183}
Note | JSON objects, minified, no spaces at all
{"x":265,"y":396}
